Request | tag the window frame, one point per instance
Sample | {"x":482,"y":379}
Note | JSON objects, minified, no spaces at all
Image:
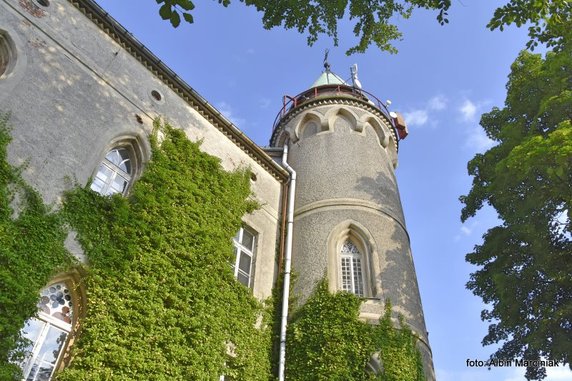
{"x":116,"y":171}
{"x":48,"y":323}
{"x":239,"y":250}
{"x":138,"y":153}
{"x":356,"y":275}
{"x":360,"y":237}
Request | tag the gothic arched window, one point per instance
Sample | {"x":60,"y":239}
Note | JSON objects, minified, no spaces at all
{"x":351,"y":269}
{"x":352,"y":260}
{"x":115,"y":172}
{"x":48,"y":332}
{"x":7,"y":53}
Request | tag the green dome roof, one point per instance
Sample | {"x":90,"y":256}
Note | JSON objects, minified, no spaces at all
{"x":328,"y":78}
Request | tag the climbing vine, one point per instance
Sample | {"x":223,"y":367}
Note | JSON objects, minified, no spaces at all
{"x":163,"y":303}
{"x":31,"y":253}
{"x":326,"y":341}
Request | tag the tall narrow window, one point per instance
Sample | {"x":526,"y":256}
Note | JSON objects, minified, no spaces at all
{"x":48,"y":332}
{"x":114,"y":173}
{"x":351,"y":269}
{"x":244,"y":243}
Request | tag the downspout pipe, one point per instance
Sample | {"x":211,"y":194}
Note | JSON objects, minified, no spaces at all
{"x":287,"y":262}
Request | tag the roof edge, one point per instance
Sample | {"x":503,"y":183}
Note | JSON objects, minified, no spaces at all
{"x":142,"y":54}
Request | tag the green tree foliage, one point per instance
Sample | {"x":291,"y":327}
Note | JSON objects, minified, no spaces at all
{"x":31,"y":252}
{"x":326,"y":341}
{"x":163,"y":303}
{"x":374,"y":18}
{"x":525,"y":273}
{"x":550,"y":21}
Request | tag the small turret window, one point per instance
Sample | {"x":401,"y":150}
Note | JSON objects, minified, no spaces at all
{"x":114,"y":173}
{"x":351,"y":269}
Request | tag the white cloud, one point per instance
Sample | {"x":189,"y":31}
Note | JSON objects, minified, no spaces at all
{"x":437,"y":103}
{"x":226,"y":110}
{"x":420,"y":116}
{"x":468,"y":110}
{"x":467,"y":229}
{"x":477,"y":140}
{"x":416,"y":117}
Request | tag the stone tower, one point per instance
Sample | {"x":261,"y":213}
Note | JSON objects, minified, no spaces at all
{"x":348,"y":219}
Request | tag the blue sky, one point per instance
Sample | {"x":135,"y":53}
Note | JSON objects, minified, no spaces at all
{"x":442,"y":80}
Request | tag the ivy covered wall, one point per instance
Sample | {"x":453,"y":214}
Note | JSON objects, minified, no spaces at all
{"x":31,"y":253}
{"x":327,"y":341}
{"x":162,"y":302}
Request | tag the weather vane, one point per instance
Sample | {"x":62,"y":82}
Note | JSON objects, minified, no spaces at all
{"x":326,"y":64}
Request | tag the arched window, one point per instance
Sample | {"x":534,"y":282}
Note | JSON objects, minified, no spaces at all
{"x":48,"y":332}
{"x":352,"y":258}
{"x":7,"y":53}
{"x":351,"y":269}
{"x":115,"y":172}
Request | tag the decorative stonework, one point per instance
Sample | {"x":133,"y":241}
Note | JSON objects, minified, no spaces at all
{"x":326,"y":121}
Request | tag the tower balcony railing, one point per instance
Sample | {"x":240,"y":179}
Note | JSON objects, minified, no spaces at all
{"x":289,"y":103}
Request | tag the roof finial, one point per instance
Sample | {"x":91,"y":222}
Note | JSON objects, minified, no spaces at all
{"x":326,"y":64}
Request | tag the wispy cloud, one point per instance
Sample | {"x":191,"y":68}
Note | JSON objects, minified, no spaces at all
{"x":226,"y":110}
{"x":437,"y":103}
{"x":468,"y":110}
{"x":416,"y":117}
{"x":420,"y":116}
{"x":466,"y":229}
{"x":477,"y":140}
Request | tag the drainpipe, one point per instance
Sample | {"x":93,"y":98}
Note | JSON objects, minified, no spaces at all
{"x":287,"y":262}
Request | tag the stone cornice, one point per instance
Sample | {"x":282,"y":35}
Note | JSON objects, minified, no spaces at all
{"x":333,"y":99}
{"x":118,"y":33}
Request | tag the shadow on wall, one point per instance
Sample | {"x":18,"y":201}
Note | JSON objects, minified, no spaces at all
{"x":65,"y":110}
{"x":383,"y":191}
{"x":399,"y":281}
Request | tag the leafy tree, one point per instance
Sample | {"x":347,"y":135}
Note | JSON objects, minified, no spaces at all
{"x":525,"y":273}
{"x":317,"y":17}
{"x":549,"y":19}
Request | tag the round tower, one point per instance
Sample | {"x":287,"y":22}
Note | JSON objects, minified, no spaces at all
{"x":348,"y":220}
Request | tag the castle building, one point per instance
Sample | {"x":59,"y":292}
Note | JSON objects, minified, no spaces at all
{"x":83,"y":93}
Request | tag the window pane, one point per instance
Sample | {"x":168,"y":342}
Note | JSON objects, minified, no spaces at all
{"x":119,"y":184}
{"x":32,"y":330}
{"x":120,"y":157}
{"x":346,"y":275}
{"x":97,"y":185}
{"x":358,"y":279}
{"x":56,"y":301}
{"x":244,"y":263}
{"x":244,"y":279}
{"x":104,"y":173}
{"x":247,"y":240}
{"x":45,"y":359}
